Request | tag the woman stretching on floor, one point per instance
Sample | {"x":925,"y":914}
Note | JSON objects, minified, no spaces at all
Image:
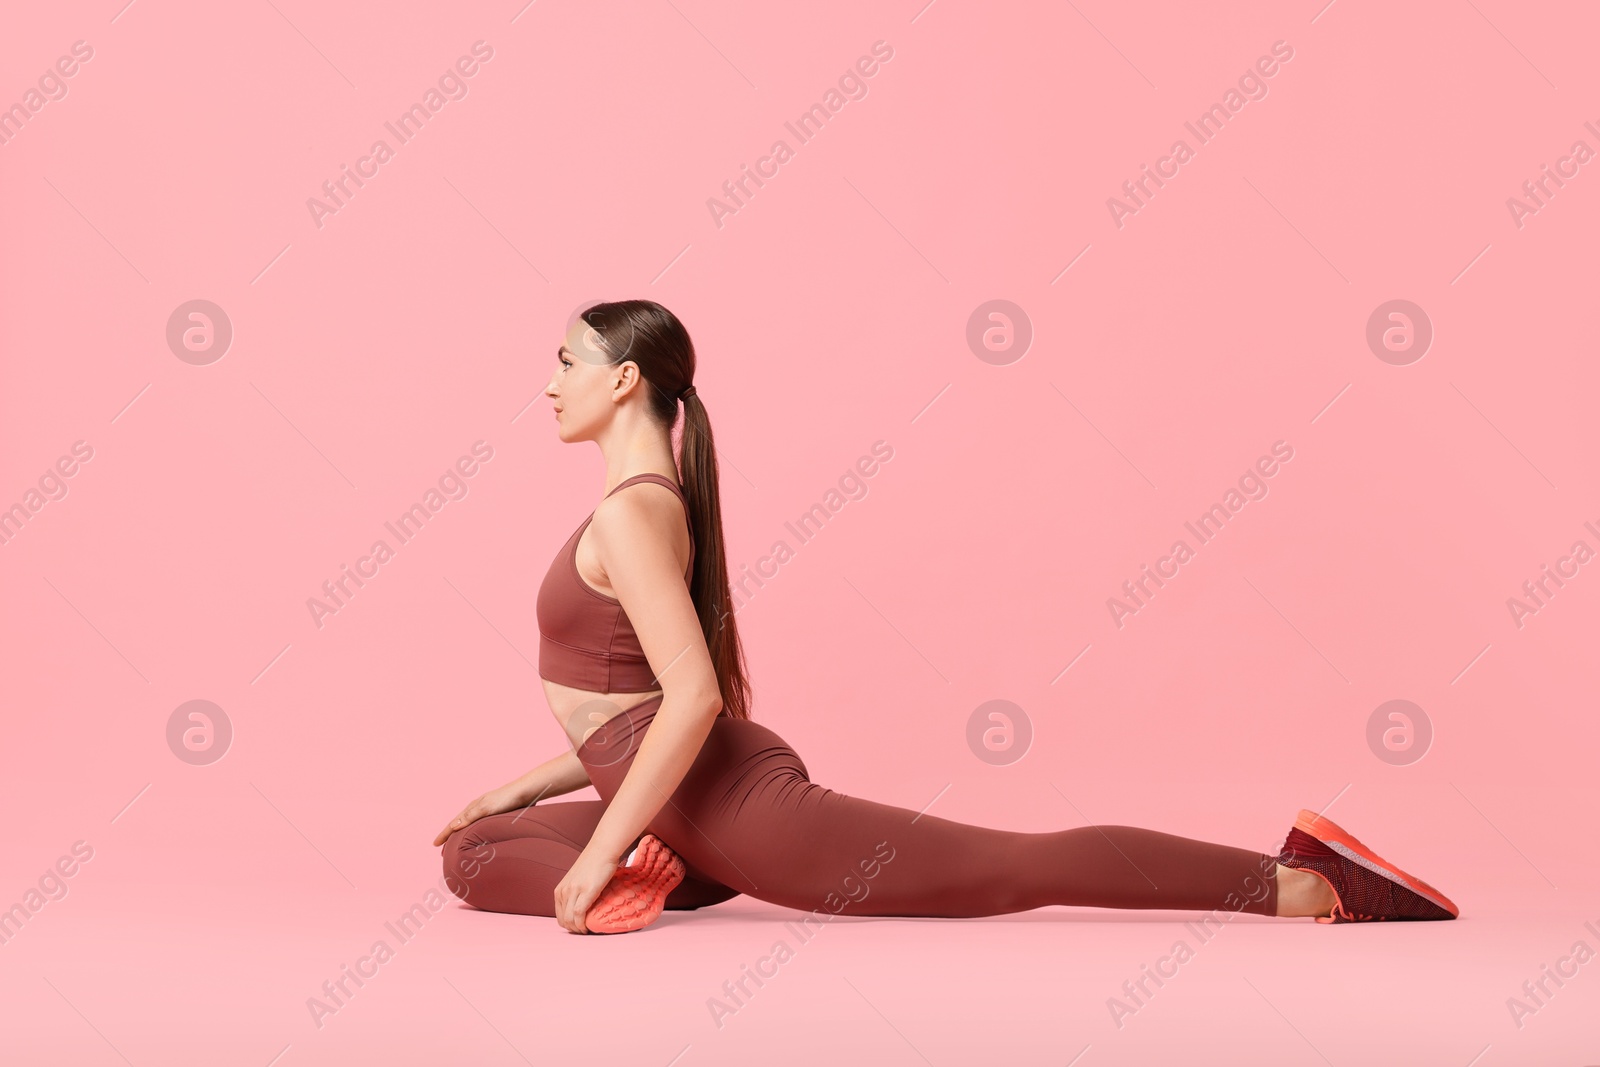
{"x":642,"y":666}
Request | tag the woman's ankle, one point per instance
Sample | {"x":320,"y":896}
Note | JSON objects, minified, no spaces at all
{"x":1302,"y":893}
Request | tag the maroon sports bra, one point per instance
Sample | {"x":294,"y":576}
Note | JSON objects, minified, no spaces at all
{"x":585,"y":638}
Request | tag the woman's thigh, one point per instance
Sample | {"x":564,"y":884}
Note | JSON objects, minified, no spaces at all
{"x":512,"y":862}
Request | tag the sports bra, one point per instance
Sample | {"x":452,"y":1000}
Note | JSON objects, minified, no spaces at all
{"x":585,"y":638}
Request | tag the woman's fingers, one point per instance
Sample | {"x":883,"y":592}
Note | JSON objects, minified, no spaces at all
{"x":455,"y":824}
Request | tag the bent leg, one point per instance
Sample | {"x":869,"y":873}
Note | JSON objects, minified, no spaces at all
{"x":513,"y":862}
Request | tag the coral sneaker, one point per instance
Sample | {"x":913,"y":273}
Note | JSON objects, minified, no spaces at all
{"x":1367,"y":886}
{"x":637,"y":893}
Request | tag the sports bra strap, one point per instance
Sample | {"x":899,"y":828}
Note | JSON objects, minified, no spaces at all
{"x":659,"y":479}
{"x":662,"y":479}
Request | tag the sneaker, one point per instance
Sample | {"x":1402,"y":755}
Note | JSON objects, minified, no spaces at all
{"x":1366,"y":886}
{"x":637,"y":893}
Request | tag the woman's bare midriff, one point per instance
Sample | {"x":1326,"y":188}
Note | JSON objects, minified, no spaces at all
{"x":579,"y":712}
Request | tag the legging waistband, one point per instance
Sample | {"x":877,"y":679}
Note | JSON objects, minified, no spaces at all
{"x":615,"y":738}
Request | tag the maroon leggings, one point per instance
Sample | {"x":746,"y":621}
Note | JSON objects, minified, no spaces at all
{"x":748,"y":819}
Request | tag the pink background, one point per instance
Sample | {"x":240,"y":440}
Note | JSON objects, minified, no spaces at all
{"x":829,"y":313}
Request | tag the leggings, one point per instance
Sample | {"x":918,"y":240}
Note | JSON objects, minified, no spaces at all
{"x":748,"y":819}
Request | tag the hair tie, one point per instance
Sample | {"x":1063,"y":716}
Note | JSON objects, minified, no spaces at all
{"x":688,"y":391}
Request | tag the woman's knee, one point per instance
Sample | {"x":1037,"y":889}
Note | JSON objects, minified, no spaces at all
{"x":464,"y":856}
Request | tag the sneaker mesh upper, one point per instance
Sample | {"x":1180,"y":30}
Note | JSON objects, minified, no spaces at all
{"x":1363,"y":894}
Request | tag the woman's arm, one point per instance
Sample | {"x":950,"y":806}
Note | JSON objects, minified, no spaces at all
{"x":551,"y":778}
{"x":633,"y":534}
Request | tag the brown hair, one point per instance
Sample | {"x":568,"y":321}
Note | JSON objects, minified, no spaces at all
{"x":651,"y":336}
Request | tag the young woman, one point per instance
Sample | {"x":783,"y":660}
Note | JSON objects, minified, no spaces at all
{"x":641,"y":663}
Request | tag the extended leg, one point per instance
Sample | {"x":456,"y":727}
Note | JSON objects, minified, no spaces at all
{"x":513,"y":862}
{"x":803,"y":845}
{"x":748,"y":816}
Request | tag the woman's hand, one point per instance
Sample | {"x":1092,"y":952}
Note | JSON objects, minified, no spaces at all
{"x":581,"y":887}
{"x":495,"y":801}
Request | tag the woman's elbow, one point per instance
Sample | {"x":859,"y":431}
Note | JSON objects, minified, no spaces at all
{"x":704,"y":697}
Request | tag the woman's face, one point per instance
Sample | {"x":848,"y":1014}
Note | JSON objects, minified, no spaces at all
{"x":579,"y":390}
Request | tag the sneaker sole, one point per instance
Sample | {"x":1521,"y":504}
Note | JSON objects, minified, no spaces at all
{"x":637,"y":894}
{"x":1343,"y":842}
